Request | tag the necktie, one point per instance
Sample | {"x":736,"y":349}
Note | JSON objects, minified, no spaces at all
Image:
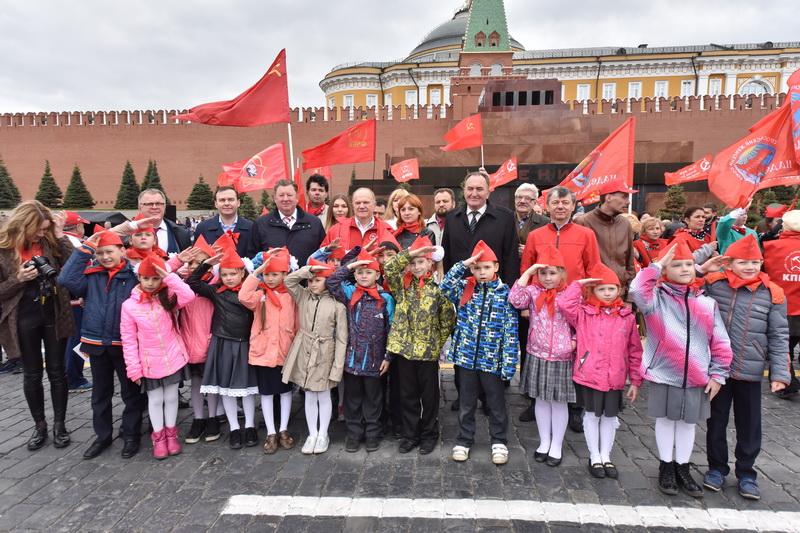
{"x":473,"y":221}
{"x":287,"y":221}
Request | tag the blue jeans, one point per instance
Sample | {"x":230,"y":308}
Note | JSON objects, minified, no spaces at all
{"x":74,"y":362}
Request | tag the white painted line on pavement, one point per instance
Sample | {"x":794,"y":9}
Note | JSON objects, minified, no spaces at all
{"x":717,"y":519}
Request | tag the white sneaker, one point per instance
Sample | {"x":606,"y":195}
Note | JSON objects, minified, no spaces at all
{"x":309,"y":445}
{"x":460,"y":453}
{"x":322,"y":444}
{"x":499,"y":454}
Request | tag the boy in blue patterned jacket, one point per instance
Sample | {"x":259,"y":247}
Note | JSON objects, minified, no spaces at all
{"x":485,"y":347}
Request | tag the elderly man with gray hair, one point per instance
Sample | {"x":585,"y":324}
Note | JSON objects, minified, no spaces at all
{"x":527,"y":220}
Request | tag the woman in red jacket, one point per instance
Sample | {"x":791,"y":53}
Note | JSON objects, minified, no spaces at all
{"x":694,"y":234}
{"x":650,"y":244}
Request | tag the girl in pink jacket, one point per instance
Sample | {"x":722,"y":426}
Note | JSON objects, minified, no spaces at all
{"x":274,"y":327}
{"x":155,"y":355}
{"x":609,"y":352}
{"x":547,"y":376}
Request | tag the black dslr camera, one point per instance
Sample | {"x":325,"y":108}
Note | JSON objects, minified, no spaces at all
{"x":43,"y":267}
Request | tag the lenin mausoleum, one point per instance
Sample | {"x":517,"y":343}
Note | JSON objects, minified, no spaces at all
{"x":549,"y":108}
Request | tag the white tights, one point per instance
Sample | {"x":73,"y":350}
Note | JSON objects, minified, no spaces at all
{"x":269,"y":413}
{"x":674,"y":435}
{"x":599,"y":432}
{"x":551,"y":420}
{"x":249,"y":406}
{"x":318,"y":407}
{"x":162,"y":406}
{"x":197,"y":400}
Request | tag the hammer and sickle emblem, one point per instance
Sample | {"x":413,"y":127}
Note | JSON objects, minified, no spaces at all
{"x":275,"y":70}
{"x":470,"y":126}
{"x":510,"y":166}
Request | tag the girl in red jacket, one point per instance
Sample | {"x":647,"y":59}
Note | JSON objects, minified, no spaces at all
{"x":609,"y":351}
{"x":155,"y":355}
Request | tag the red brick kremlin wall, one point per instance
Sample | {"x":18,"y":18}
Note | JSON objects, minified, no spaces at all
{"x":681,"y":130}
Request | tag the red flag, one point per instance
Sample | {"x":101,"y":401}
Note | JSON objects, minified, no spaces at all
{"x":264,"y":212}
{"x":301,"y":189}
{"x":608,"y":165}
{"x":764,"y":158}
{"x":406,"y":170}
{"x":322,"y":171}
{"x":266,"y":102}
{"x":466,"y":134}
{"x":261,"y":171}
{"x":354,"y":145}
{"x":505,"y":174}
{"x":697,"y":171}
{"x":794,"y":104}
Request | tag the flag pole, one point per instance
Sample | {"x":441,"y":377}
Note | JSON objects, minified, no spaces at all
{"x":630,"y":203}
{"x":482,"y":163}
{"x":291,"y":146}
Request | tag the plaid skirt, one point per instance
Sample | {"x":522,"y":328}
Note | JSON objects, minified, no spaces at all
{"x":548,"y":380}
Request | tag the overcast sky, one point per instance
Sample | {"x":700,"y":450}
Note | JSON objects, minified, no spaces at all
{"x":154,"y":54}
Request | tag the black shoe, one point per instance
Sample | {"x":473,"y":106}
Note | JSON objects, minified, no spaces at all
{"x":197,"y":431}
{"x":352,"y":444}
{"x":235,"y":439}
{"x":427,"y":446}
{"x":96,"y":448}
{"x":596,"y":470}
{"x":38,"y":437}
{"x":454,"y":406}
{"x":788,"y":393}
{"x":9,"y":366}
{"x":250,"y":437}
{"x":527,"y":415}
{"x":552,"y":461}
{"x":686,"y":482}
{"x":539,"y":457}
{"x":485,"y":409}
{"x":373,"y":443}
{"x":576,"y":420}
{"x":212,"y":429}
{"x":406,"y":446}
{"x":611,"y":470}
{"x":60,"y":435}
{"x":666,"y":478}
{"x":130,"y":448}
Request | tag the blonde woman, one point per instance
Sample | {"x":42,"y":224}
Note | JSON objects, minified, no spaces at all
{"x":339,"y":209}
{"x":36,"y":311}
{"x":393,"y":207}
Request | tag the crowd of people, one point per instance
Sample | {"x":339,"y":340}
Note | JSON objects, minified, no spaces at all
{"x":354,"y":302}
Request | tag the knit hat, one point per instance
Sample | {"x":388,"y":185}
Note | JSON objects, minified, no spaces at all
{"x":487,"y":255}
{"x":363,"y":255}
{"x":550,"y":256}
{"x":605,"y":275}
{"x":421,"y":242}
{"x":321,"y":273}
{"x":745,"y":248}
{"x":148,"y":264}
{"x":682,"y":251}
{"x":109,"y":238}
{"x":201,"y":244}
{"x":279,"y":262}
{"x":791,"y":220}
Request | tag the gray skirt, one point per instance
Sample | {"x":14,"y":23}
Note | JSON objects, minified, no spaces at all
{"x":689,"y":405}
{"x":548,"y":380}
{"x":149,"y":384}
{"x":601,"y":403}
{"x":227,"y":371}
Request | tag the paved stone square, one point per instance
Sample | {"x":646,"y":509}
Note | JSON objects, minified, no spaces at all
{"x":210,"y":487}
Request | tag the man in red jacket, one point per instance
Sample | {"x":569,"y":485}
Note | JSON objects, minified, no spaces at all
{"x":782,"y":264}
{"x":357,"y":231}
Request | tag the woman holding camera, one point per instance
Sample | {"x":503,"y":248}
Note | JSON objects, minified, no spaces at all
{"x":34,"y":311}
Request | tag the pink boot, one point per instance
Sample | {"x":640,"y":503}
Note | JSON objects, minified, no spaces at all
{"x":159,"y":439}
{"x":173,"y":444}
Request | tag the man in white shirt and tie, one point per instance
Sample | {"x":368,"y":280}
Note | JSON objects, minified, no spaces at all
{"x":171,"y":237}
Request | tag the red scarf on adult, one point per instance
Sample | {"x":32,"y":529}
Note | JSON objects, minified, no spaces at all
{"x":272,"y":293}
{"x":111,"y":271}
{"x":414,"y":227}
{"x":316,"y":211}
{"x":361,"y":291}
{"x":26,"y":254}
{"x":548,"y":298}
{"x":469,"y":289}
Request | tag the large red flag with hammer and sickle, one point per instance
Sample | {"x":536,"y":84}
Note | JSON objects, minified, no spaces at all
{"x":406,"y":170}
{"x":505,"y":174}
{"x":697,"y":171}
{"x":466,"y":134}
{"x":354,"y":145}
{"x":266,"y":102}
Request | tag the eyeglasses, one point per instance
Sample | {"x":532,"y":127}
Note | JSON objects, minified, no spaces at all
{"x":154,"y":204}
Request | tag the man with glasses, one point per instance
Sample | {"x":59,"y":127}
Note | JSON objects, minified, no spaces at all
{"x":227,"y":203}
{"x":172,"y":238}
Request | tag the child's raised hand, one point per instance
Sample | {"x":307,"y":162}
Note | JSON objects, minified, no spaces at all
{"x":263,"y":266}
{"x":422,"y":251}
{"x":355,"y":264}
{"x":187,"y":255}
{"x":318,"y":268}
{"x":588,"y":281}
{"x":213,"y":260}
{"x":375,"y":252}
{"x":93,"y":240}
{"x":712,"y":389}
{"x":715,"y":263}
{"x":667,"y":257}
{"x":776,"y":386}
{"x":160,"y":271}
{"x":384,"y":367}
{"x":632,"y":394}
{"x":333,"y":245}
{"x":373,"y":240}
{"x":533,"y":268}
{"x":474,"y":259}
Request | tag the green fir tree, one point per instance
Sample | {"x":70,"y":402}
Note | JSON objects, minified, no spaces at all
{"x":49,"y":192}
{"x":266,"y":201}
{"x":201,"y":196}
{"x":674,"y":203}
{"x":247,"y":209}
{"x":128,"y":194}
{"x":77,"y":195}
{"x":151,"y":178}
{"x":9,"y":194}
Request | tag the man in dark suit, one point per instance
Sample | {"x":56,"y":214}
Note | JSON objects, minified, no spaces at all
{"x":171,"y":237}
{"x":227,"y":203}
{"x":288,"y":225}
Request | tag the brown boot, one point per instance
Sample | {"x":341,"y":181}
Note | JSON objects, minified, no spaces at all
{"x":271,"y":444}
{"x":287,"y":442}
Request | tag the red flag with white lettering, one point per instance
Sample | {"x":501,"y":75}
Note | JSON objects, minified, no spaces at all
{"x":697,"y":171}
{"x":505,"y":174}
{"x":466,"y":134}
{"x":406,"y":170}
{"x":354,"y":145}
{"x":608,"y":168}
{"x":322,"y":171}
{"x":261,"y":171}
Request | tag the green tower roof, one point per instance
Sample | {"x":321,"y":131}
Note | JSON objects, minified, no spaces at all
{"x":487,"y":26}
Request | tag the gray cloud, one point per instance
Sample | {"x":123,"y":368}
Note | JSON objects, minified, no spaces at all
{"x":95,"y":54}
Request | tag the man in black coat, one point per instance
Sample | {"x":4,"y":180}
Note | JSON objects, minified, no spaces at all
{"x":288,"y":225}
{"x":170,"y":237}
{"x":227,"y":203}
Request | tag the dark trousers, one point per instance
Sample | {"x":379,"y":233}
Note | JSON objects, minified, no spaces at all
{"x":363,"y":402}
{"x":393,"y":409}
{"x":746,"y":399}
{"x":795,"y":384}
{"x":472,"y":381}
{"x":104,"y":366}
{"x":74,"y":362}
{"x":419,"y":397}
{"x":33,"y":331}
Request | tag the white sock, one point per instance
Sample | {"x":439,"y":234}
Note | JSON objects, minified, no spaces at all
{"x":155,"y":408}
{"x":543,"y":415}
{"x":608,"y":430}
{"x":213,"y":405}
{"x":171,"y":405}
{"x":665,"y":438}
{"x":286,"y":410}
{"x":229,"y":404}
{"x":325,"y":411}
{"x":684,"y":441}
{"x":312,"y":412}
{"x":197,"y":398}
{"x":591,"y":431}
{"x":249,"y":408}
{"x":560,"y":419}
{"x":269,"y":414}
